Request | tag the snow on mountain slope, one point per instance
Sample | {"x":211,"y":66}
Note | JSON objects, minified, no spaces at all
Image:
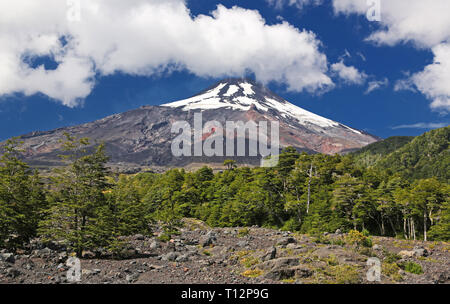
{"x":241,"y":95}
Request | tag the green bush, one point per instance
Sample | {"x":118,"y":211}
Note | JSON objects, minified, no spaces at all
{"x":412,"y":267}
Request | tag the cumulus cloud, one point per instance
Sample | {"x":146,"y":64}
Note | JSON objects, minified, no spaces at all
{"x":434,"y":80}
{"x":145,"y":37}
{"x":422,"y":125}
{"x":426,"y":25}
{"x":348,"y":74}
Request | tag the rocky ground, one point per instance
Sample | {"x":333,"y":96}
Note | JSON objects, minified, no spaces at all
{"x":237,"y":255}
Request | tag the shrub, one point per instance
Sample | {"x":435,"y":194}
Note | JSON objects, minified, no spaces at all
{"x":357,"y":238}
{"x":412,"y":267}
{"x":366,"y":233}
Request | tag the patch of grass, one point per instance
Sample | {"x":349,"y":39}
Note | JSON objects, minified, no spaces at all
{"x":238,"y":255}
{"x":331,"y":260}
{"x":391,"y":270}
{"x":252,"y":273}
{"x":404,"y":244}
{"x":290,"y":281}
{"x":428,"y":259}
{"x":206,"y":252}
{"x":343,"y":274}
{"x":243,"y":232}
{"x":412,"y":267}
{"x":250,"y":261}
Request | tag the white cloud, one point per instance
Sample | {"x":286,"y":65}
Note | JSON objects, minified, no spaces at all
{"x":348,"y":74}
{"x":144,"y":37}
{"x":421,"y":125}
{"x":434,"y":80}
{"x":426,"y":24}
{"x":376,"y":84}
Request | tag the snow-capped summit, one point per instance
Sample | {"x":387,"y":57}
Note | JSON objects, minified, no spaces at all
{"x":242,"y":94}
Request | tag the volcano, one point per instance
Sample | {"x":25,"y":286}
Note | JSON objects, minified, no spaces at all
{"x":142,"y":138}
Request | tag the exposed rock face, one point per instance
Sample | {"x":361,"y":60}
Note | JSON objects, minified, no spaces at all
{"x":143,"y":137}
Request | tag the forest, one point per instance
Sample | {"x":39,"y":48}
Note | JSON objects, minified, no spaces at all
{"x":400,"y":192}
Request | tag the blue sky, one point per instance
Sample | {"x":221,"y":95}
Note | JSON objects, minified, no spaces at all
{"x":383,"y":112}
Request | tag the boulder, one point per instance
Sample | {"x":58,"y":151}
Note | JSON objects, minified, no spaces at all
{"x":279,"y":263}
{"x":286,"y":240}
{"x":270,"y":254}
{"x":132,"y":277}
{"x":406,"y":253}
{"x":7,"y":257}
{"x":420,"y":251}
{"x":208,"y":239}
{"x":171,"y":257}
{"x":279,"y":274}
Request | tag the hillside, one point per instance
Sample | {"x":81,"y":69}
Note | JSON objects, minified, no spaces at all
{"x":424,"y":156}
{"x":369,"y":155}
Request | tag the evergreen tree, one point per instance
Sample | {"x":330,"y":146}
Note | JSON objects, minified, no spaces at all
{"x":22,"y":198}
{"x":78,"y":198}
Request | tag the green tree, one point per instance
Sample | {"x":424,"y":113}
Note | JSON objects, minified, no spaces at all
{"x":78,"y":198}
{"x":22,"y":198}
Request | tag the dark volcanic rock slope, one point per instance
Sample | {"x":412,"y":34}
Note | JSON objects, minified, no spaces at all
{"x":143,"y":137}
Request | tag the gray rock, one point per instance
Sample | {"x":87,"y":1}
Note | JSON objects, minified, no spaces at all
{"x":286,"y":240}
{"x":242,"y":243}
{"x":13,"y":272}
{"x":377,"y":247}
{"x":154,"y":245}
{"x":279,"y":263}
{"x":420,"y":251}
{"x":132,"y":277}
{"x":43,"y":253}
{"x":338,"y":231}
{"x":270,"y":255}
{"x":139,"y":237}
{"x":279,"y":274}
{"x":171,"y":257}
{"x":182,"y":258}
{"x":208,"y":239}
{"x":7,"y":257}
{"x":293,"y":246}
